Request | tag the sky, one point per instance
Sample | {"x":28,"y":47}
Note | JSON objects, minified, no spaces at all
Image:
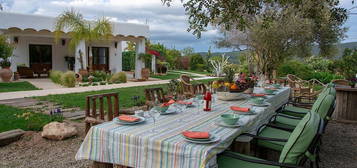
{"x":168,"y":25}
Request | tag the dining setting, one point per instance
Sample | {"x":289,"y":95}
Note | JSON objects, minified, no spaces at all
{"x":183,"y":131}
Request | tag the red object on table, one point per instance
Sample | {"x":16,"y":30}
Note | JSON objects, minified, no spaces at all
{"x":184,"y":102}
{"x":258,"y":95}
{"x":208,"y":101}
{"x":196,"y":134}
{"x":240,"y":109}
{"x":168,"y":103}
{"x":128,"y":118}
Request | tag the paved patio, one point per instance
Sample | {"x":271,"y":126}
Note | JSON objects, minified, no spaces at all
{"x":23,"y":94}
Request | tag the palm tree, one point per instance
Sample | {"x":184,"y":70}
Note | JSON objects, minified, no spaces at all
{"x":81,"y":29}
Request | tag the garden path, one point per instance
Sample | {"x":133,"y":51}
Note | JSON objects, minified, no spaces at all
{"x":43,"y":83}
{"x":23,"y":94}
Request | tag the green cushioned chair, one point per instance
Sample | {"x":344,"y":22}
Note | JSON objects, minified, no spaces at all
{"x":325,"y":109}
{"x":300,"y":146}
{"x":300,"y":112}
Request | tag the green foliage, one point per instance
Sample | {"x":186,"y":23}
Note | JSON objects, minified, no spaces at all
{"x":347,"y":65}
{"x":128,"y":60}
{"x":5,"y":51}
{"x":297,"y":68}
{"x":230,"y":71}
{"x":173,"y":58}
{"x":119,"y":77}
{"x":56,"y":76}
{"x":15,"y":118}
{"x":197,"y":62}
{"x":325,"y":77}
{"x":320,"y":64}
{"x":68,"y":79}
{"x":146,"y":59}
{"x":16,"y":86}
{"x":99,"y":76}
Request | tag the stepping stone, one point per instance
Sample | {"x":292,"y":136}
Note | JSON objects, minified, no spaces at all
{"x":22,"y":102}
{"x":10,"y":136}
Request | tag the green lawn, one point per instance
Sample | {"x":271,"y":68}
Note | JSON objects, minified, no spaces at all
{"x":169,"y":75}
{"x":34,"y":122}
{"x":16,"y":86}
{"x":125,"y":96}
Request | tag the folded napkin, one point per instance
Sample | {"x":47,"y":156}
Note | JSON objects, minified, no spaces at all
{"x":240,"y":109}
{"x":258,"y":94}
{"x":196,"y":134}
{"x":184,"y":102}
{"x":168,"y":103}
{"x":128,"y":118}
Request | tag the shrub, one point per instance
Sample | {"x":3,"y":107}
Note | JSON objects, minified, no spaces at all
{"x":325,"y":77}
{"x":297,"y":68}
{"x":128,"y":60}
{"x":99,"y":76}
{"x":56,"y":76}
{"x":119,"y":77}
{"x":69,"y":79}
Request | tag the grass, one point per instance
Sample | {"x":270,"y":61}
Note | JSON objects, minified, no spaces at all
{"x":17,"y":86}
{"x":170,"y":75}
{"x":14,"y":118}
{"x":125,"y":96}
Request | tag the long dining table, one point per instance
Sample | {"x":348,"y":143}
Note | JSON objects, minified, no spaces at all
{"x":137,"y":146}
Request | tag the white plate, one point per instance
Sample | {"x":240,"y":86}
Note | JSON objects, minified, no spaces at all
{"x":117,"y":121}
{"x":221,"y":123}
{"x":265,"y":104}
{"x":212,"y":140}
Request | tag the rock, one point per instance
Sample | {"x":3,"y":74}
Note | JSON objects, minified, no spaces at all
{"x":10,"y":136}
{"x":58,"y":131}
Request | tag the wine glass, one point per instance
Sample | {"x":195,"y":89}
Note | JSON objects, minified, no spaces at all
{"x":198,"y":101}
{"x":154,"y":113}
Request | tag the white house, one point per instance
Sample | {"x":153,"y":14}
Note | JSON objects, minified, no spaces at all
{"x":35,"y":47}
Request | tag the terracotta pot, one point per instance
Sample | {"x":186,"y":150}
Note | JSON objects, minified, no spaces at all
{"x":6,"y":74}
{"x":83,"y":72}
{"x":145,"y":73}
{"x":78,"y":77}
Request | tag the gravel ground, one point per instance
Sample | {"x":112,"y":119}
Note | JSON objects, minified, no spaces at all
{"x":339,"y":150}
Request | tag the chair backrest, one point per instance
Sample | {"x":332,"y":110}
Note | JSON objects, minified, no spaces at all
{"x":199,"y":88}
{"x":153,"y":94}
{"x":325,"y":106}
{"x":92,"y":117}
{"x":185,"y":79}
{"x":300,"y":140}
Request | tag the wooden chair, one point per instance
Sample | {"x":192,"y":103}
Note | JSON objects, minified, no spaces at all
{"x":187,"y":87}
{"x":341,"y":82}
{"x":152,"y":94}
{"x":199,"y":88}
{"x":94,"y":118}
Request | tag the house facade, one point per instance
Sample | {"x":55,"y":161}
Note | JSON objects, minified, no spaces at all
{"x":35,"y":47}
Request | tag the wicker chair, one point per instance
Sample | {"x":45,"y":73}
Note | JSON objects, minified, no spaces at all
{"x":303,"y":92}
{"x":186,"y":86}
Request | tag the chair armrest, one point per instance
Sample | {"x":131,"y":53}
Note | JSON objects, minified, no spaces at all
{"x":290,"y":117}
{"x":265,"y":162}
{"x":265,"y":138}
{"x":272,"y":125}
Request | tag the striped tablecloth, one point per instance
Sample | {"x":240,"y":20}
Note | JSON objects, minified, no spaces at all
{"x":136,"y":146}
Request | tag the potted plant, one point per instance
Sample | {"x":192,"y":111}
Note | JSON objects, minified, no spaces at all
{"x":145,"y":72}
{"x":5,"y":54}
{"x":353,"y":82}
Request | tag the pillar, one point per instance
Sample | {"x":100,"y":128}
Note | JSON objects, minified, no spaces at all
{"x":115,"y":60}
{"x":139,"y":64}
{"x":153,"y":64}
{"x":80,"y":48}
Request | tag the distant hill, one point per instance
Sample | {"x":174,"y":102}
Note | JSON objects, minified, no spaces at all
{"x":315,"y":50}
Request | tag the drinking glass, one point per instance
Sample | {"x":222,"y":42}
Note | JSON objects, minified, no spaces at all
{"x":154,"y":113}
{"x":198,"y":101}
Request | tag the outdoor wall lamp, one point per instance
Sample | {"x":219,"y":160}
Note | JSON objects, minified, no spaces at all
{"x":115,"y":44}
{"x":63,"y":42}
{"x":16,"y":40}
